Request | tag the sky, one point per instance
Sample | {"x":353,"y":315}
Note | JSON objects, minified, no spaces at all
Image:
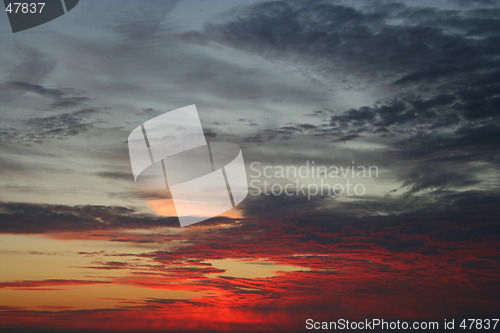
{"x":409,"y":88}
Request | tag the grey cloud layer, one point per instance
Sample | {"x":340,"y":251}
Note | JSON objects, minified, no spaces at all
{"x":61,"y":98}
{"x":328,"y":36}
{"x":34,"y":218}
{"x":441,"y":65}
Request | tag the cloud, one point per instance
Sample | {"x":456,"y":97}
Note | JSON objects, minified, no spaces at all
{"x":115,"y":175}
{"x":30,"y":218}
{"x":426,"y":249}
{"x":132,"y":21}
{"x":341,"y":262}
{"x":43,"y":284}
{"x":360,"y":40}
{"x":273,"y":206}
{"x":59,"y":126}
{"x":420,"y":49}
{"x":61,"y":98}
{"x":440,"y":66}
{"x":34,"y":67}
{"x":42,"y":129}
{"x":40,"y":218}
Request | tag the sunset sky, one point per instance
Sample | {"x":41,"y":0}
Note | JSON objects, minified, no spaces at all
{"x":411,"y":88}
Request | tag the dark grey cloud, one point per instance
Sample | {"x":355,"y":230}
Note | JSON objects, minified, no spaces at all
{"x":435,"y":177}
{"x":467,"y":3}
{"x":456,"y":216}
{"x":442,"y":126}
{"x":41,"y":218}
{"x":59,"y":126}
{"x":466,"y":144}
{"x":30,"y":218}
{"x":141,"y":194}
{"x":436,"y":188}
{"x":461,"y":66}
{"x":61,"y":97}
{"x":275,"y":206}
{"x":455,"y":52}
{"x":442,"y":66}
{"x":333,"y":37}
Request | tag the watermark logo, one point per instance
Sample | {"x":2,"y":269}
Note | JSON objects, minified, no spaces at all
{"x":310,"y":179}
{"x":24,"y":15}
{"x":170,"y":152}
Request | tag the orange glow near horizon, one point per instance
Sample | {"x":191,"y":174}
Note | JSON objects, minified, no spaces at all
{"x":238,"y":277}
{"x":165,"y":207}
